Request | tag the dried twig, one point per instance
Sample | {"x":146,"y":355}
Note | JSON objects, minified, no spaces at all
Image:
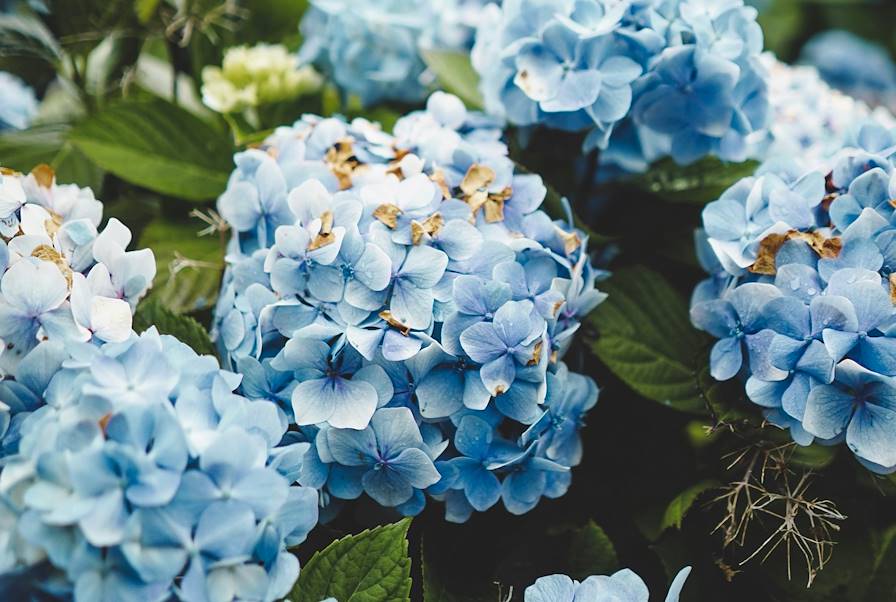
{"x":770,"y":491}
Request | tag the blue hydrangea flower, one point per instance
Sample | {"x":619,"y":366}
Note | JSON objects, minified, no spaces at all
{"x":803,"y":290}
{"x":810,"y":122}
{"x":623,"y":585}
{"x":644,"y":79}
{"x":136,"y":473}
{"x":61,"y":279}
{"x":412,"y":278}
{"x":853,"y":65}
{"x":374,"y":51}
{"x":18,"y":104}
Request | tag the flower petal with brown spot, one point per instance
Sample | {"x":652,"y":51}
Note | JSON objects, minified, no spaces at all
{"x":48,"y":253}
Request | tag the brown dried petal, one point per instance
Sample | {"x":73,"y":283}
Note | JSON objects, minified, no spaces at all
{"x":394,"y":322}
{"x":388,"y":214}
{"x":893,"y":288}
{"x":769,"y":246}
{"x":478,"y":178}
{"x":536,"y":354}
{"x":44,"y":175}
{"x":325,"y":236}
{"x":438,"y":176}
{"x":432,"y":225}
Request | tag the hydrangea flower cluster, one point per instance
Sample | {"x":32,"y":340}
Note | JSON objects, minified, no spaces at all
{"x":133,"y":472}
{"x":60,"y":278}
{"x":853,"y":65}
{"x":249,"y":77}
{"x":802,"y":297}
{"x":372,"y":50}
{"x":648,"y":79}
{"x":18,"y":104}
{"x":810,"y":121}
{"x":407,"y":303}
{"x":622,"y":586}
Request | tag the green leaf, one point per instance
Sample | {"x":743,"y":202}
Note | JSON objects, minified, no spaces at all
{"x":683,"y":502}
{"x":698,"y":183}
{"x":26,"y":36}
{"x":271,"y":20}
{"x":372,"y":566}
{"x":186,"y":329}
{"x":146,"y":9}
{"x":159,"y":146}
{"x":188,"y":266}
{"x":23,"y":150}
{"x":591,"y":553}
{"x":456,"y":74}
{"x":882,"y":585}
{"x":645,"y":337}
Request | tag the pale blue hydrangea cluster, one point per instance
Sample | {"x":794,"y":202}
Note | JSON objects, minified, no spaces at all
{"x":61,"y":278}
{"x":802,"y":295}
{"x":18,"y":104}
{"x":407,"y":303}
{"x":857,"y":67}
{"x":622,"y":586}
{"x":646,"y":78}
{"x":133,"y":472}
{"x":373,"y":49}
{"x":810,"y":121}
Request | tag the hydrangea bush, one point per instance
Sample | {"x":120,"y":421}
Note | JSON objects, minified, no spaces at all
{"x":133,"y":472}
{"x":407,"y":303}
{"x":645,"y":79}
{"x":374,"y":50}
{"x":810,"y":121}
{"x":802,"y":296}
{"x":853,"y":65}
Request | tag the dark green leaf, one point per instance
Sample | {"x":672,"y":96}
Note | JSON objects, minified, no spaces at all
{"x":372,"y":566}
{"x":591,"y":553}
{"x":699,"y":183}
{"x":184,"y":328}
{"x":645,"y":337}
{"x":882,"y":585}
{"x":159,"y":146}
{"x":82,"y":25}
{"x":683,"y":502}
{"x":272,"y":21}
{"x":26,"y":36}
{"x":188,"y":266}
{"x":456,"y":74}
